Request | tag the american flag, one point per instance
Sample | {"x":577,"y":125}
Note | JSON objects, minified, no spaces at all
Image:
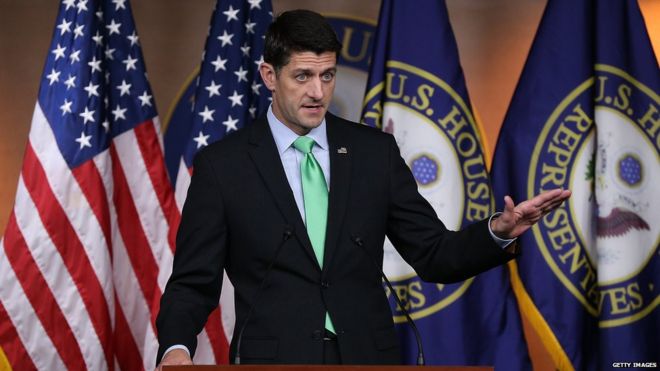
{"x":228,"y":95}
{"x":229,"y":91}
{"x":94,"y":217}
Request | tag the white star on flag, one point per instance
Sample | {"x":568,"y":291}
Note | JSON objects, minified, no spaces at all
{"x":130,"y":63}
{"x":84,"y":140}
{"x":259,"y":61}
{"x":87,"y":115}
{"x":82,"y":6}
{"x":108,"y":54}
{"x":69,"y":3}
{"x":124,"y":88}
{"x":236,"y":99}
{"x":225,"y":38}
{"x":145,"y":99}
{"x":59,"y":52}
{"x":92,"y":89}
{"x":133,"y":38}
{"x":255,"y":4}
{"x":231,"y":13}
{"x":78,"y":31}
{"x":98,"y":39}
{"x":255,"y":87}
{"x":64,"y":27}
{"x":75,"y":56}
{"x":230,"y":123}
{"x":95,"y":64}
{"x":219,"y":63}
{"x":119,"y":4}
{"x":113,"y":27}
{"x":249,"y":26}
{"x":201,"y":140}
{"x":207,"y":114}
{"x":53,"y":76}
{"x":213,"y":89}
{"x":70,"y":82}
{"x":241,"y":74}
{"x":119,"y":113}
{"x":66,"y":107}
{"x":245,"y":49}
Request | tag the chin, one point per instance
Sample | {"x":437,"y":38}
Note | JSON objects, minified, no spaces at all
{"x":312,"y":121}
{"x":313,"y":124}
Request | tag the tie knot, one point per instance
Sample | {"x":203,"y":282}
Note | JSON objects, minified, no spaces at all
{"x":304,"y":144}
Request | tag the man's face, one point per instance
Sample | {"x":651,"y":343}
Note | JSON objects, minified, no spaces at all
{"x":302,"y":89}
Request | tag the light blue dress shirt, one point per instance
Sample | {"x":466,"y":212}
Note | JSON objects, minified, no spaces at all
{"x":291,"y":157}
{"x":284,"y":138}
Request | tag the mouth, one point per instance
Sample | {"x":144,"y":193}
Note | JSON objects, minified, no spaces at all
{"x":313,"y":108}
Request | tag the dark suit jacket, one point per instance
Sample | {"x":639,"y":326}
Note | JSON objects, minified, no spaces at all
{"x":237,"y":209}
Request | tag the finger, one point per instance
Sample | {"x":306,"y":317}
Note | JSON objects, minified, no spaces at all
{"x":508,"y":204}
{"x":553,"y":203}
{"x":546,"y":197}
{"x":528,"y":210}
{"x":562,"y":195}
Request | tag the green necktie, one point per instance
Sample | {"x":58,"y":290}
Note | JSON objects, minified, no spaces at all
{"x":315,"y":198}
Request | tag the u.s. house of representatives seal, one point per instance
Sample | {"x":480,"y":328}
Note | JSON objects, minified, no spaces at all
{"x":603,"y":142}
{"x":439,"y":141}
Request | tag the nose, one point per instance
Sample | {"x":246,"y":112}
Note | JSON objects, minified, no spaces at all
{"x":315,"y":89}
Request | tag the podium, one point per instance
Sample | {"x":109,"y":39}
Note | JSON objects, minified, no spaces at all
{"x":324,"y":368}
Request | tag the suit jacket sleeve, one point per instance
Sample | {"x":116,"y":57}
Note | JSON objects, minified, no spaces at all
{"x":436,"y":253}
{"x":193,"y":289}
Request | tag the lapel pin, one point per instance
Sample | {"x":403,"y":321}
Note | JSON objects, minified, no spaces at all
{"x":342,"y":150}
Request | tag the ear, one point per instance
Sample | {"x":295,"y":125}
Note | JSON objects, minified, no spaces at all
{"x":268,"y":75}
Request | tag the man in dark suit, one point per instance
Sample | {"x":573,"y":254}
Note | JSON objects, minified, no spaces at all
{"x":259,"y":206}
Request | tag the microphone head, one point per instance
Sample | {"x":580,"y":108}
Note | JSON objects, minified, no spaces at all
{"x":288,"y":232}
{"x":357,"y":240}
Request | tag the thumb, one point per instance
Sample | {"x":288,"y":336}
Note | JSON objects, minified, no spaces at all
{"x":508,"y":205}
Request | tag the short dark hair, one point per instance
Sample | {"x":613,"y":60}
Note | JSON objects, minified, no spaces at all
{"x":298,"y":31}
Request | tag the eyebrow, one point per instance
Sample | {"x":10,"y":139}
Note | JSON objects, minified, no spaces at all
{"x":309,"y":71}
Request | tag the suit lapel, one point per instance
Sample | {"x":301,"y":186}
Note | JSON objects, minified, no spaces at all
{"x":263,"y":152}
{"x":340,"y":167}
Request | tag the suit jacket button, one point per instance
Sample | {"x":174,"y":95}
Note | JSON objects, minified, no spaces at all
{"x":317,"y":335}
{"x":325,"y":284}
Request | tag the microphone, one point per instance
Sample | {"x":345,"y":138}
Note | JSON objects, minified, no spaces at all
{"x":288,"y":232}
{"x":420,"y":351}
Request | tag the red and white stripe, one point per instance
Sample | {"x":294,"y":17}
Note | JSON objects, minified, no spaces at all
{"x":228,"y":317}
{"x":86,"y":255}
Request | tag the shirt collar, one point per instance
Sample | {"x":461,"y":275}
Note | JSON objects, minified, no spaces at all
{"x":284,"y":137}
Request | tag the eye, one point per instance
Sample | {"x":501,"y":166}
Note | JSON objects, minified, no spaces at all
{"x":328,"y":76}
{"x":301,"y":77}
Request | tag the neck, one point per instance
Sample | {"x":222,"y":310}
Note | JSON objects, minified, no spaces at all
{"x":299,"y":130}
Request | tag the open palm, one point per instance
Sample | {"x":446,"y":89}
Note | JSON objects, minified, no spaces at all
{"x":516,"y":219}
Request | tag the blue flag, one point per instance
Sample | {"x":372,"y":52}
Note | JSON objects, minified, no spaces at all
{"x":416,"y":92}
{"x":586,"y":116}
